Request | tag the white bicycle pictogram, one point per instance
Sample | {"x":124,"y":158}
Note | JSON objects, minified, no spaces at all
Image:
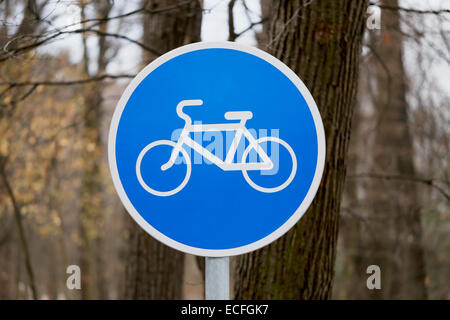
{"x":227,"y":164}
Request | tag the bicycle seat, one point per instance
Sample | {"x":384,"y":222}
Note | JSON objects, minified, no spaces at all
{"x":187,"y":103}
{"x":238,"y":115}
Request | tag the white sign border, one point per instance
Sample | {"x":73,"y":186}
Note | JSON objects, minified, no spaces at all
{"x":219,"y":252}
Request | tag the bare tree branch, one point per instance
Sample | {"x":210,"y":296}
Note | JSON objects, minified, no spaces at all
{"x":410,"y":10}
{"x":18,"y":216}
{"x":55,"y":33}
{"x":251,"y":26}
{"x":427,"y":181}
{"x":36,"y":44}
{"x":65,"y":83}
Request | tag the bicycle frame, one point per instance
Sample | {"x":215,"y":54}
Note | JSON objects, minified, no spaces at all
{"x":228,"y":164}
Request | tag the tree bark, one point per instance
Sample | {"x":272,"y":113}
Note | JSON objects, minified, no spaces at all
{"x":263,"y":36}
{"x":153,"y":270}
{"x":398,"y":247}
{"x":321,"y":42}
{"x":178,"y":23}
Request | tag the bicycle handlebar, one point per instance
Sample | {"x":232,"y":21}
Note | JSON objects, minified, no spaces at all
{"x":187,"y":103}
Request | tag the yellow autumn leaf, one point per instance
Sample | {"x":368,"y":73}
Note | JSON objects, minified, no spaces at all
{"x":4,"y":146}
{"x":7,"y":100}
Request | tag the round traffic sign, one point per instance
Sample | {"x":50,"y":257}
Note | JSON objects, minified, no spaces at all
{"x":216,"y":149}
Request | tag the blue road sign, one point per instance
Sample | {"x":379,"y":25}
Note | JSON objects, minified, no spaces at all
{"x":216,"y":149}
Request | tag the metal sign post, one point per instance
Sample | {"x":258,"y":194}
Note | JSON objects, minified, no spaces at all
{"x":217,"y":278}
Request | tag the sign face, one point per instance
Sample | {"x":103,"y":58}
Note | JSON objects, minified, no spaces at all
{"x":216,"y":149}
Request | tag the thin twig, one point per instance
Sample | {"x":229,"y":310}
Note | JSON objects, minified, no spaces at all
{"x":18,"y":216}
{"x":410,"y":10}
{"x":427,"y":181}
{"x":251,"y":26}
{"x":65,"y":83}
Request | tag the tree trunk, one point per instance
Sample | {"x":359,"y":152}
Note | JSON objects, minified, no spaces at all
{"x":351,"y":281}
{"x":174,"y":23}
{"x":20,"y":226}
{"x":321,"y":42}
{"x":398,"y":248}
{"x":263,"y":36}
{"x":29,"y":23}
{"x":91,"y":255}
{"x":153,"y":270}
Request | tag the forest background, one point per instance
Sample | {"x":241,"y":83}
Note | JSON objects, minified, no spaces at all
{"x":380,"y":74}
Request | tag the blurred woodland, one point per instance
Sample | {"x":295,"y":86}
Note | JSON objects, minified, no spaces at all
{"x":384,"y":96}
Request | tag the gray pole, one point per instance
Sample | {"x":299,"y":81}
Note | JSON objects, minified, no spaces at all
{"x":217,"y":278}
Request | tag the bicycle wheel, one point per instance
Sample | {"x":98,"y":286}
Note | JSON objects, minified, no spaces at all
{"x":291,"y":175}
{"x":145,"y":185}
